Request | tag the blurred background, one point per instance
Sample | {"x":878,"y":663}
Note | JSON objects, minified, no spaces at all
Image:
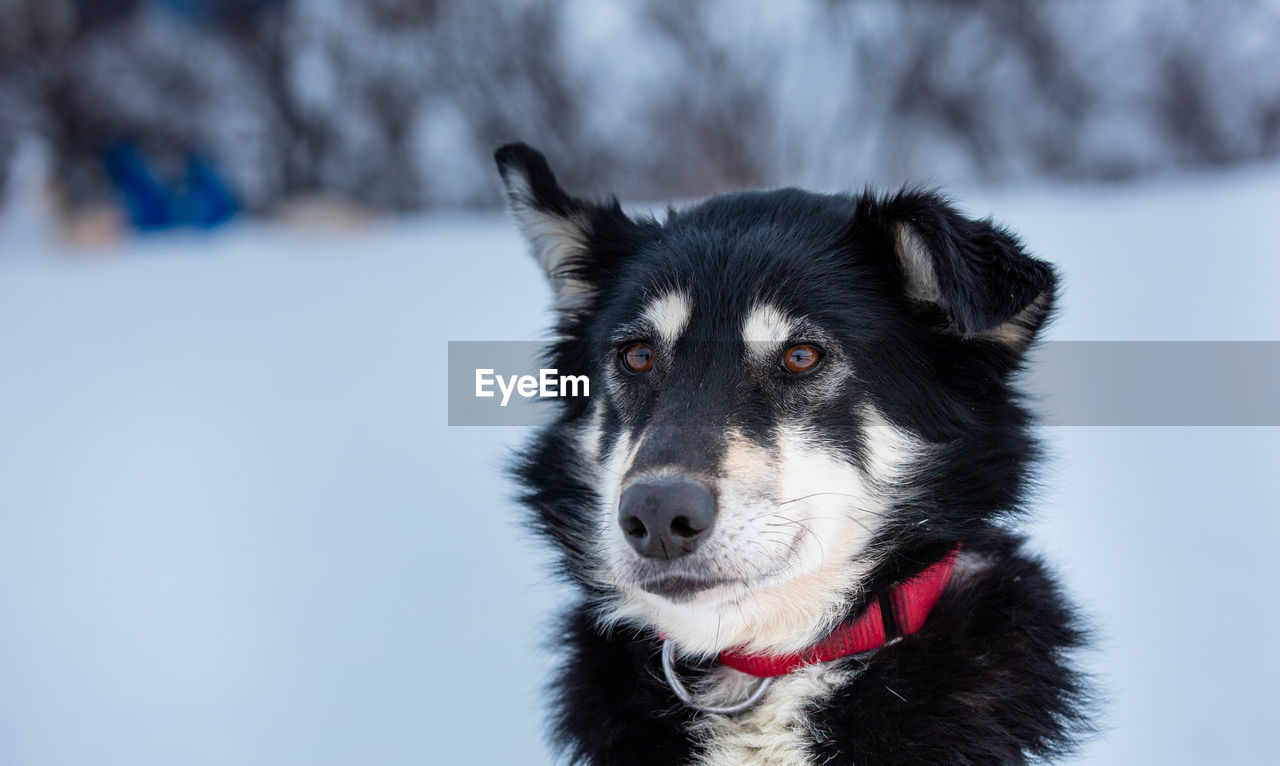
{"x":236,"y":236}
{"x":393,"y":105}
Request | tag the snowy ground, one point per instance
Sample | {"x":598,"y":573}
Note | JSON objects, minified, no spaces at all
{"x":235,"y":529}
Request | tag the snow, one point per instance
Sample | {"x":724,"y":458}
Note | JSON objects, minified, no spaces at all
{"x":234,"y":527}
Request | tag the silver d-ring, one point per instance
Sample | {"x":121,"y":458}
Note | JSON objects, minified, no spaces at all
{"x":669,"y":670}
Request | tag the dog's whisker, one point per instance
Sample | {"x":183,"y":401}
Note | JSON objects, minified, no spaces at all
{"x":858,"y":521}
{"x":835,"y":494}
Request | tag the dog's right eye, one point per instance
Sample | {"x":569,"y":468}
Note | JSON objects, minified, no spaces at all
{"x":636,"y":357}
{"x":801,"y":358}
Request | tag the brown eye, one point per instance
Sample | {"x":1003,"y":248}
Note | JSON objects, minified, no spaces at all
{"x":800,"y":359}
{"x":637,"y":358}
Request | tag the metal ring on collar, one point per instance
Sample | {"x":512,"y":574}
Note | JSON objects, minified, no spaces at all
{"x":669,"y":670}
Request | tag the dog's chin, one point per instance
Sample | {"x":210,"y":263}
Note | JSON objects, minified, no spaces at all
{"x":705,"y":611}
{"x":686,"y":589}
{"x":706,"y":615}
{"x":698,"y":590}
{"x":697,"y":586}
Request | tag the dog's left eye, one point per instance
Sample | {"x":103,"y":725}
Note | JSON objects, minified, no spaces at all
{"x":801,"y":358}
{"x":636,"y":357}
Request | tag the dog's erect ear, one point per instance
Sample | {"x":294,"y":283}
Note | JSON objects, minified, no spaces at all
{"x":976,"y":272}
{"x":557,"y":226}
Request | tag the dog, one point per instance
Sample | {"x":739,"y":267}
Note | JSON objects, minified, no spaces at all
{"x":787,"y":505}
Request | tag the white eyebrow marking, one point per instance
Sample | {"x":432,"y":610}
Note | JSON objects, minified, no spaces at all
{"x":669,"y":313}
{"x":765,"y":328}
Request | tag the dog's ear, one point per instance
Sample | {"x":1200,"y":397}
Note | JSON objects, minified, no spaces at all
{"x":559,"y":228}
{"x":974,"y":271}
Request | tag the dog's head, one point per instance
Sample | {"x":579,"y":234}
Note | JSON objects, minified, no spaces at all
{"x":795,"y":396}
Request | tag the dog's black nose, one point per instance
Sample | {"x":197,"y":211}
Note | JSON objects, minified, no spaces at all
{"x":666,"y":518}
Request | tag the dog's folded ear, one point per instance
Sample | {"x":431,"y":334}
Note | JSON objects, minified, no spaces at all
{"x":560,"y":228}
{"x":975,"y":272}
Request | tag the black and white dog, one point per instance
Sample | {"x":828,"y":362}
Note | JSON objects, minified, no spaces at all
{"x":786,"y":503}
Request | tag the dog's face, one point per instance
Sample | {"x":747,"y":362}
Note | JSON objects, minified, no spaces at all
{"x":780,"y":383}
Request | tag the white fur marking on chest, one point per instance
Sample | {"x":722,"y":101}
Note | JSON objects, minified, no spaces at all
{"x":777,"y":731}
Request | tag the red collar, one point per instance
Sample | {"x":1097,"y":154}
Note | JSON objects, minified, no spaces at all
{"x":909,"y":605}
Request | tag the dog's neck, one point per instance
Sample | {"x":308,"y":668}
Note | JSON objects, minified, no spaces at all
{"x":899,"y":611}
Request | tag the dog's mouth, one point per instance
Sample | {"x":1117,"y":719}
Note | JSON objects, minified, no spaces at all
{"x":681,"y":587}
{"x":687,"y":583}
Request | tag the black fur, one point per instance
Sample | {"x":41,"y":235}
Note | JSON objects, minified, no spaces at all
{"x":612,"y":705}
{"x":985,"y":681}
{"x":988,"y":680}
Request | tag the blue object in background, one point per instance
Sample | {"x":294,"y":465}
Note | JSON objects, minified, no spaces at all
{"x":143,"y":195}
{"x":206,"y":201}
{"x":202,"y":199}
